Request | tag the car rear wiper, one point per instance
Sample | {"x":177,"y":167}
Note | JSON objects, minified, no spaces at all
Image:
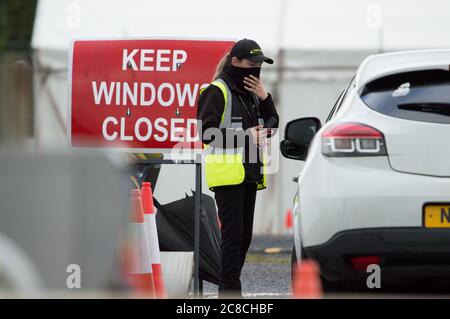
{"x":430,"y":107}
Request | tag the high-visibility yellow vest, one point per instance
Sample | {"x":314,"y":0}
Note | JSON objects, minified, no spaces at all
{"x":224,"y":166}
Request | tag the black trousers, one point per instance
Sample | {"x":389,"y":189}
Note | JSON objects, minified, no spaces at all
{"x":236,"y":206}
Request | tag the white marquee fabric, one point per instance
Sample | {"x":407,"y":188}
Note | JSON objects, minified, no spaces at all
{"x":325,"y":33}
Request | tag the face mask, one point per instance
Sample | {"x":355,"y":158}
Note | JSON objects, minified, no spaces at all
{"x":238,"y":74}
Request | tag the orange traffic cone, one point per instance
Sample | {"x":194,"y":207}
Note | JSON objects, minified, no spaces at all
{"x":150,"y":224}
{"x":138,"y":269}
{"x":307,"y":283}
{"x":288,"y":219}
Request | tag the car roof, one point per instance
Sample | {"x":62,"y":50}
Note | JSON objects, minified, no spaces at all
{"x":378,"y":65}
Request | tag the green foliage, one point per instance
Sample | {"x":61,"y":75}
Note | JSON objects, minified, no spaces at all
{"x":16,"y":24}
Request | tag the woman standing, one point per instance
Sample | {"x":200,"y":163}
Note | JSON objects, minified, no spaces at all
{"x":236,"y":105}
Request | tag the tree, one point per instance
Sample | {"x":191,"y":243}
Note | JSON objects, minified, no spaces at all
{"x":16,"y":24}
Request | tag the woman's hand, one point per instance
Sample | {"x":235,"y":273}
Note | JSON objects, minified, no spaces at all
{"x":253,"y":84}
{"x":259,"y":134}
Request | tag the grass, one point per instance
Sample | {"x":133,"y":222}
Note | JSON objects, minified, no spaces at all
{"x":261,"y":258}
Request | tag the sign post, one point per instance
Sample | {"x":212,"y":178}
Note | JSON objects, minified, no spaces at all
{"x":140,"y":96}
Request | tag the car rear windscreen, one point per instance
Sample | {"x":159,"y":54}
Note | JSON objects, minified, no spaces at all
{"x":418,"y":96}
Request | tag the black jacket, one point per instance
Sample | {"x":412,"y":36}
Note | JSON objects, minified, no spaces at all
{"x":210,"y":109}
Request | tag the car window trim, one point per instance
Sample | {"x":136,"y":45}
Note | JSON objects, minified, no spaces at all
{"x":338,"y":103}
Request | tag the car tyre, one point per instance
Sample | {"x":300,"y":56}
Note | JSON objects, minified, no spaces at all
{"x":327,"y":285}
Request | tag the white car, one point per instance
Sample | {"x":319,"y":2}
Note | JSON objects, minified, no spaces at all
{"x":375,"y":187}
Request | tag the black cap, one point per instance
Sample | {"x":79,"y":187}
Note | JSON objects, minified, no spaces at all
{"x":249,"y":50}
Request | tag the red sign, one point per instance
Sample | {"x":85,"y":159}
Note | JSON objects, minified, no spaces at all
{"x":139,"y":94}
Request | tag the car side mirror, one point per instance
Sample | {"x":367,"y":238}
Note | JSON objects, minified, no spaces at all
{"x":298,"y":135}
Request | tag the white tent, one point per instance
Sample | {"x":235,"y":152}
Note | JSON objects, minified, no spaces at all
{"x":318,"y":44}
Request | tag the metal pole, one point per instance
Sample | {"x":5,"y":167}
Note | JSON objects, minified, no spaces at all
{"x":198,"y":193}
{"x":197,"y":210}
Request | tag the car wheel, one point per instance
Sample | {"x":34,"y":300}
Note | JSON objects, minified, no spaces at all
{"x":334,"y":286}
{"x":294,"y":262}
{"x":343,"y":285}
{"x":327,"y":285}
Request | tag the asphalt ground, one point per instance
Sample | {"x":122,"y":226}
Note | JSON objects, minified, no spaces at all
{"x":267,"y":274}
{"x":267,"y":269}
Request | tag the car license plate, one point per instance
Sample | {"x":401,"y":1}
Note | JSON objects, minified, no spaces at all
{"x":436,"y":216}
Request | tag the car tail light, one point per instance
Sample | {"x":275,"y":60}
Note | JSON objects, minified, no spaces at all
{"x":353,"y":139}
{"x":361,"y":263}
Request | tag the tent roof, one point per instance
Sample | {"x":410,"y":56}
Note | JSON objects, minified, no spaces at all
{"x":290,"y":24}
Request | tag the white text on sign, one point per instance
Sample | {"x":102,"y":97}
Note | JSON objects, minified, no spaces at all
{"x":145,"y":94}
{"x":153,"y":60}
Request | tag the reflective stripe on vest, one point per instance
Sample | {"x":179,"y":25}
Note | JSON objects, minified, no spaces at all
{"x":225,"y":166}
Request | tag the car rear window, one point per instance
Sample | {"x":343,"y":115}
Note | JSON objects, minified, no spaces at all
{"x":418,"y":96}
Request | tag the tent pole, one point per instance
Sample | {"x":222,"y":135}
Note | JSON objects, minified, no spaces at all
{"x":198,"y":193}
